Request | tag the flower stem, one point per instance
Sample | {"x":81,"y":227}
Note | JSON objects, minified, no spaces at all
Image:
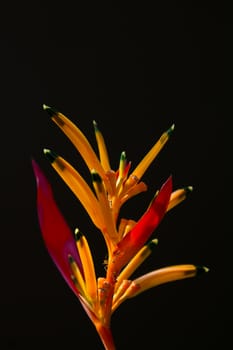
{"x":106,"y":336}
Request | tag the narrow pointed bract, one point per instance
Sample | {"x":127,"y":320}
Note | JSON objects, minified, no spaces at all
{"x":142,"y":231}
{"x":56,"y":233}
{"x":128,"y":242}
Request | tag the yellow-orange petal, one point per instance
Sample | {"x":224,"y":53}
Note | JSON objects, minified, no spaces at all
{"x":151,"y":155}
{"x":108,"y":228}
{"x":178,"y":196}
{"x":88,"y":266}
{"x":133,"y":191}
{"x":78,"y":139}
{"x":119,"y":291}
{"x":137,"y":260}
{"x":103,"y":153}
{"x":77,"y":185}
{"x":77,"y":277}
{"x":161,"y":276}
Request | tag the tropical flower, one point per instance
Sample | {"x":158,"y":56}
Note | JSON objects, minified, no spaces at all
{"x":128,"y":242}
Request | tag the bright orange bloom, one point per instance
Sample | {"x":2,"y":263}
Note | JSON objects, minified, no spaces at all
{"x":127,"y":241}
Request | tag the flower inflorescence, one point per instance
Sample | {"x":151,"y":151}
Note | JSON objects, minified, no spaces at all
{"x":128,"y":242}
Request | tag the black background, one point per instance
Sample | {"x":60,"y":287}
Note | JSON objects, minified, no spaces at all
{"x":135,"y":69}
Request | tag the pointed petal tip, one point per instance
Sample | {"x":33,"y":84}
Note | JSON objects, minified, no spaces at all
{"x":171,"y":129}
{"x":201,"y":269}
{"x":153,"y":243}
{"x":45,"y":107}
{"x":188,"y":189}
{"x":50,"y":155}
{"x":33,"y":162}
{"x":95,"y":125}
{"x":169,"y":181}
{"x":123,"y":155}
{"x":95,"y":176}
{"x":41,"y":180}
{"x":70,"y":258}
{"x":35,"y":167}
{"x":78,"y":234}
{"x":50,"y":110}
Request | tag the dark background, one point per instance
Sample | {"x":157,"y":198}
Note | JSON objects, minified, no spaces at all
{"x":135,"y":69}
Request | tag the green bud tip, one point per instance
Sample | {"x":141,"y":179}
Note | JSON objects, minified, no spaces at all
{"x":74,"y":279}
{"x":123,"y":156}
{"x":95,"y":126}
{"x":71,"y":259}
{"x":78,"y":234}
{"x":153,"y":243}
{"x":201,"y":269}
{"x":50,"y":110}
{"x":188,"y":189}
{"x":50,"y":155}
{"x":170,"y":130}
{"x":95,"y":177}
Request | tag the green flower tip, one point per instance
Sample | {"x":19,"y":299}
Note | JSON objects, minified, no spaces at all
{"x":78,"y":234}
{"x":74,"y":279}
{"x":50,"y":155}
{"x":95,"y":177}
{"x":71,"y":259}
{"x":170,"y":130}
{"x":123,"y":156}
{"x":188,"y":189}
{"x":153,"y":243}
{"x":50,"y":110}
{"x":95,"y":126}
{"x":201,"y":269}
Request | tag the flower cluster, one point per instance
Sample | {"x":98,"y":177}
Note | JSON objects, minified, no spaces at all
{"x":128,"y":242}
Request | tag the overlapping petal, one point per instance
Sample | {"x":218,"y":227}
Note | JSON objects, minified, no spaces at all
{"x":78,"y":139}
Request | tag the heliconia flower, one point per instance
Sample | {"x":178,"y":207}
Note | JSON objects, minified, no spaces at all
{"x":128,"y":242}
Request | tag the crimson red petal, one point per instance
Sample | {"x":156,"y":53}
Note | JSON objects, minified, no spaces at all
{"x":142,"y":231}
{"x":56,"y":233}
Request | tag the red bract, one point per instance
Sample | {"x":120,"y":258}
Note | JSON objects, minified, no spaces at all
{"x":56,"y":233}
{"x":142,"y":231}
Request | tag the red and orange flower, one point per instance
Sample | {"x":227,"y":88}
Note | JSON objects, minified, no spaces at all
{"x":127,"y":241}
